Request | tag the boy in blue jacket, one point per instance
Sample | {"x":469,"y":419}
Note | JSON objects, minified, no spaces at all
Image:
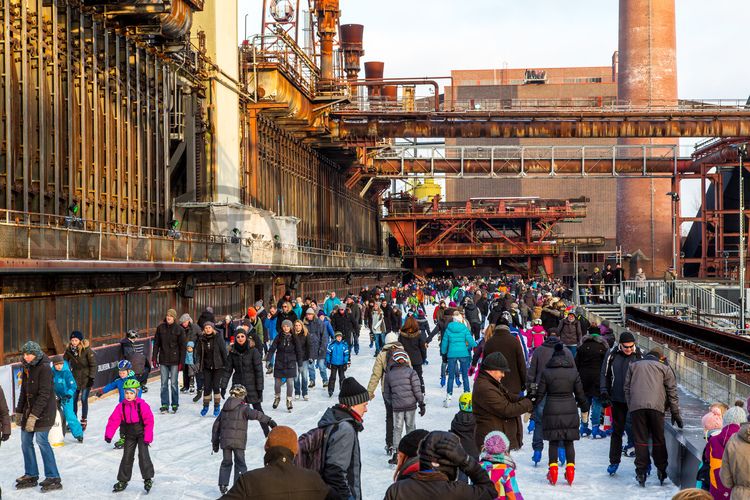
{"x":337,"y":360}
{"x":65,"y":388}
{"x":125,"y":372}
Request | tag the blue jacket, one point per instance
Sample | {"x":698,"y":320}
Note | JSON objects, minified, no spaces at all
{"x":269,"y":327}
{"x":457,"y":341}
{"x":337,"y":353}
{"x":118,"y":383}
{"x":65,"y":384}
{"x":329,"y":304}
{"x":297,"y":310}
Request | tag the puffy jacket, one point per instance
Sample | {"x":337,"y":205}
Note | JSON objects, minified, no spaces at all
{"x":512,"y":348}
{"x":562,"y":386}
{"x":269,"y":327}
{"x":230,"y":427}
{"x":288,"y":356}
{"x":651,"y":385}
{"x":457,"y":341}
{"x":304,"y":344}
{"x":569,"y":332}
{"x":712,"y":458}
{"x":379,"y":368}
{"x":210,"y":352}
{"x":133,"y":418}
{"x":535,"y":336}
{"x":329,"y":304}
{"x":401,"y":387}
{"x":342,"y":469}
{"x":65,"y":384}
{"x":735,"y":466}
{"x":472,"y":313}
{"x":414,"y":343}
{"x":133,"y":352}
{"x":192,"y":332}
{"x":118,"y":384}
{"x":377,"y":322}
{"x":82,"y":362}
{"x":464,"y":425}
{"x":589,"y":358}
{"x":496,"y":409}
{"x":245,"y":367}
{"x":541,"y":357}
{"x":345,"y":324}
{"x":338,"y":353}
{"x":614,"y":370}
{"x":169,"y":344}
{"x":37,"y":395}
{"x":4,"y":414}
{"x":318,"y":335}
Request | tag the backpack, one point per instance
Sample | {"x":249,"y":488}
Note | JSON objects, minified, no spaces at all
{"x":312,"y":448}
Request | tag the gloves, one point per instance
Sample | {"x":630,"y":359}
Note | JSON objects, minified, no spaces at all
{"x":677,"y":419}
{"x":99,"y":393}
{"x":472,"y":369}
{"x":272,"y":424}
{"x":5,"y":437}
{"x":604,"y":400}
{"x":31,"y":423}
{"x":90,"y":383}
{"x":452,"y":451}
{"x":108,"y":440}
{"x":422,"y":409}
{"x":18,"y":418}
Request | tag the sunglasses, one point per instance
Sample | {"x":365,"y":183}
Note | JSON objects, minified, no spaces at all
{"x":631,"y":346}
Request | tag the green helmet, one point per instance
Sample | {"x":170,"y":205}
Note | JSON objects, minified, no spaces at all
{"x":131,"y":384}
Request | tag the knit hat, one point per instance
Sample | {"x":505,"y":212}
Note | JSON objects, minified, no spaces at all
{"x":735,"y":415}
{"x":190,"y":343}
{"x":338,"y":334}
{"x":185,"y":317}
{"x":627,"y":337}
{"x":495,"y":361}
{"x":496,"y":443}
{"x":283,"y":436}
{"x":400,"y":356}
{"x":32,"y":347}
{"x":352,"y":393}
{"x":210,"y":310}
{"x":559,"y":349}
{"x":75,"y":334}
{"x":288,"y":323}
{"x":409,"y":444}
{"x":238,"y":391}
{"x":321,"y":313}
{"x":209,"y":323}
{"x":656,"y":351}
{"x":251,"y":313}
{"x":391,"y":338}
{"x":258,"y":304}
{"x":172,"y":312}
{"x":310,"y":310}
{"x":712,"y":420}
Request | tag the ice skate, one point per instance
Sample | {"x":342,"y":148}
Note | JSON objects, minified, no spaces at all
{"x":26,"y":482}
{"x":289,"y":405}
{"x":217,"y":410}
{"x":584,"y":430}
{"x":570,"y":473}
{"x":536,"y":457}
{"x":175,"y":408}
{"x":148,"y":484}
{"x":223,"y":489}
{"x":204,"y":411}
{"x":276,"y":401}
{"x":198,"y":395}
{"x":119,"y":486}
{"x":120,"y":443}
{"x":612,"y":469}
{"x":552,"y":474}
{"x":597,"y":433}
{"x":163,"y":409}
{"x":662,"y":476}
{"x":51,"y":484}
{"x":641,"y":478}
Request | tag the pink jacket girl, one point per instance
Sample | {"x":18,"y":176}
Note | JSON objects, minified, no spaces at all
{"x":535,"y":336}
{"x":134,"y":418}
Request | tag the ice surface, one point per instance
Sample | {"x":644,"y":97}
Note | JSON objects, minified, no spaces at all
{"x":186,"y":468}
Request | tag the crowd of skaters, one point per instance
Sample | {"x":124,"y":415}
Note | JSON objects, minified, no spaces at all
{"x":513,"y":348}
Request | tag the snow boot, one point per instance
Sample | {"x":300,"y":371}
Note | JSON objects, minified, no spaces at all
{"x":536,"y":457}
{"x":597,"y":433}
{"x":119,"y":486}
{"x":584,"y":430}
{"x":276,"y":401}
{"x":269,"y":370}
{"x":223,"y":489}
{"x":561,"y":456}
{"x":198,"y":396}
{"x":83,"y":424}
{"x":26,"y":482}
{"x":532,"y":426}
{"x":217,"y":410}
{"x":51,"y":484}
{"x":289,"y":405}
{"x":570,"y":473}
{"x":163,"y":409}
{"x":662,"y":476}
{"x":641,"y":478}
{"x":148,"y":484}
{"x":204,"y":411}
{"x":552,"y":474}
{"x":305,"y":398}
{"x":296,"y":397}
{"x":175,"y":408}
{"x":425,"y":362}
{"x":120,"y":443}
{"x":612,"y":468}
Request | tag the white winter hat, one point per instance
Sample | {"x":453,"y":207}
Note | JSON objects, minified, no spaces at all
{"x":391,"y":338}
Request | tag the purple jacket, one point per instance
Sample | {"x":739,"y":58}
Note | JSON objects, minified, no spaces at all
{"x":713,"y":454}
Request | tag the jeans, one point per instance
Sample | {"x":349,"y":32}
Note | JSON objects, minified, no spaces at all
{"x":464,"y":367}
{"x":66,"y":405}
{"x":169,"y":384}
{"x":226,"y":465}
{"x":320,"y":364}
{"x":537,"y":442}
{"x":83,"y":395}
{"x":573,"y":349}
{"x":301,"y":380}
{"x":379,"y":342}
{"x":399,"y":419}
{"x":30,"y":466}
{"x":595,"y":417}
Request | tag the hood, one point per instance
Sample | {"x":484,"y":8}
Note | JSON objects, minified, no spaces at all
{"x":464,"y":422}
{"x":744,"y":432}
{"x":455,"y":326}
{"x":232,"y":403}
{"x":65,"y":368}
{"x":595,"y":338}
{"x":550,"y":342}
{"x":410,"y":334}
{"x":337,"y":414}
{"x":501,"y":329}
{"x":83,"y":345}
{"x":560,"y":361}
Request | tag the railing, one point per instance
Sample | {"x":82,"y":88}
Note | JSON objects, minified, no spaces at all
{"x":280,"y":49}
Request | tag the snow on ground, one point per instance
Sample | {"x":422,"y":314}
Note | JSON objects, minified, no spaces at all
{"x":187,"y":469}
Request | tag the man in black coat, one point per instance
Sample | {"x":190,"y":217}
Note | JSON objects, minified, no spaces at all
{"x":170,"y":345}
{"x":35,"y":415}
{"x":589,"y":359}
{"x":285,"y":312}
{"x":342,"y":321}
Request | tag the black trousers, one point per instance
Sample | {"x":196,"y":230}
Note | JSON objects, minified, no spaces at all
{"x":335,"y":369}
{"x":257,"y":406}
{"x":211,"y":383}
{"x":388,"y":425}
{"x":476,"y":330}
{"x":619,"y":416}
{"x":418,"y":369}
{"x":649,"y":425}
{"x":570,"y":451}
{"x":128,"y":456}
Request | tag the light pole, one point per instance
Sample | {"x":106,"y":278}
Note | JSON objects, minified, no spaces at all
{"x":675,"y":199}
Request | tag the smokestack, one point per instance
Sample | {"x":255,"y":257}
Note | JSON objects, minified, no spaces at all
{"x":374,"y":71}
{"x":327,"y":12}
{"x":351,"y":47}
{"x":647,"y":76}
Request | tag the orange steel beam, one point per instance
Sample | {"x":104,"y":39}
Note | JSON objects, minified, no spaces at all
{"x":485,"y":250}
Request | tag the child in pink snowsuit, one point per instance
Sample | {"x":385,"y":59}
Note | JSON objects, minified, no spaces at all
{"x":535,"y":336}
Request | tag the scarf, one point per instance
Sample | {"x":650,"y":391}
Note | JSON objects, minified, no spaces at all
{"x":500,"y":458}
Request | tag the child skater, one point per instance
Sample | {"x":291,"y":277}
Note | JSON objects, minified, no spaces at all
{"x":498,"y":464}
{"x":65,"y":390}
{"x":135,"y":420}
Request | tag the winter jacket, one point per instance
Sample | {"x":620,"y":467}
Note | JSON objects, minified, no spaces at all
{"x":345,"y":324}
{"x":37,"y":394}
{"x":614,"y":370}
{"x":192,"y":332}
{"x":230,"y":427}
{"x":257,"y":327}
{"x":464,"y":425}
{"x":205,"y":317}
{"x":133,"y":418}
{"x":562,"y":386}
{"x":133,"y":352}
{"x":503,"y":476}
{"x":337,"y":353}
{"x":245,"y":367}
{"x":304,"y":344}
{"x":118,"y":384}
{"x":735,"y":464}
{"x":4,"y":414}
{"x":457,"y":341}
{"x":169,"y":344}
{"x":210,"y":353}
{"x":342,"y":463}
{"x":569,"y":332}
{"x":426,"y":485}
{"x":329,"y":304}
{"x":269,"y":327}
{"x":651,"y":385}
{"x":401,"y":387}
{"x":288,"y":356}
{"x":472,"y":313}
{"x":377,"y":322}
{"x":65,"y":384}
{"x":279,"y":479}
{"x":496,"y":409}
{"x":82,"y":362}
{"x":226,"y":331}
{"x":379,"y":368}
{"x":414,"y":343}
{"x":589,"y":358}
{"x":550,"y":318}
{"x":510,"y":346}
{"x":356,"y":313}
{"x":318,"y":335}
{"x":712,"y":458}
{"x":535,"y":336}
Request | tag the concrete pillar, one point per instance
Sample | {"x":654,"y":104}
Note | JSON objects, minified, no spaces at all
{"x":219,"y":22}
{"x":647,"y":75}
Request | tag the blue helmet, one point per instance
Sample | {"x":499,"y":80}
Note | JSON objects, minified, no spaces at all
{"x":124,"y":365}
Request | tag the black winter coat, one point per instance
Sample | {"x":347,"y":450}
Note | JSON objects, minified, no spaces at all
{"x":304,"y":343}
{"x":82,"y":363}
{"x":288,"y":356}
{"x":550,"y":319}
{"x":414,"y":345}
{"x":424,"y":485}
{"x":169,"y":344}
{"x":37,"y":394}
{"x":614,"y":370}
{"x":210,"y":353}
{"x":134,"y":353}
{"x":230,"y":427}
{"x":504,"y":342}
{"x":281,"y":316}
{"x":464,"y":425}
{"x":318,"y":338}
{"x":589,"y":358}
{"x":562,"y":386}
{"x":345,"y":324}
{"x":472,"y":313}
{"x":247,"y":366}
{"x":570,"y":332}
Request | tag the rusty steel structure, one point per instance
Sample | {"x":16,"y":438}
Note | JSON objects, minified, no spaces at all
{"x":518,"y":229}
